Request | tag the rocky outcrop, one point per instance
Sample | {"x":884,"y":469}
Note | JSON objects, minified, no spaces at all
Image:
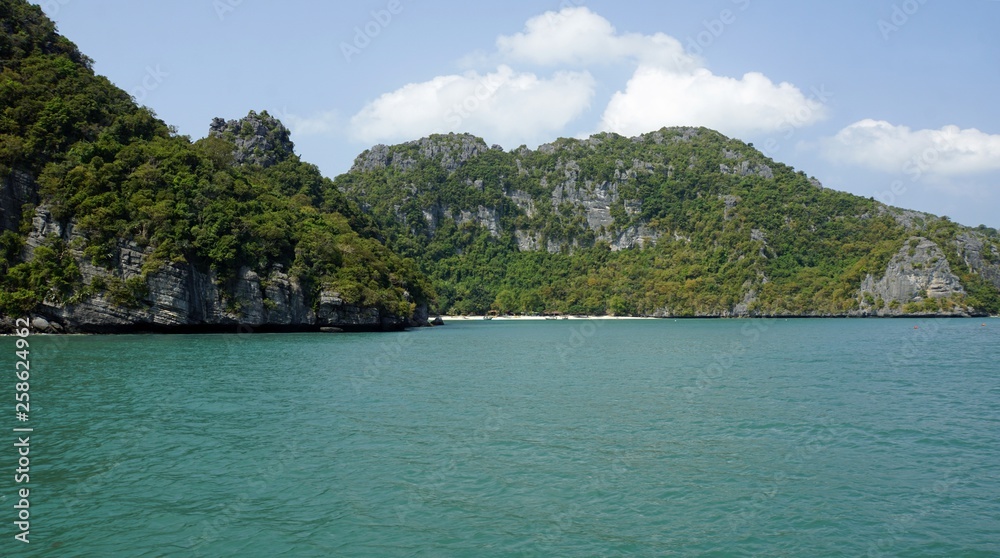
{"x":919,"y":271}
{"x":731,"y":202}
{"x":907,"y":218}
{"x":593,"y":200}
{"x":745,"y":168}
{"x":18,"y":188}
{"x":680,"y":134}
{"x":484,"y":217}
{"x":636,"y":236}
{"x":522,"y":200}
{"x":258,"y":139}
{"x":180,"y":297}
{"x":981,"y":257}
{"x":451,"y":151}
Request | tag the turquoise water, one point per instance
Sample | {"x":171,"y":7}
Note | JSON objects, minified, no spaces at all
{"x":553,"y":438}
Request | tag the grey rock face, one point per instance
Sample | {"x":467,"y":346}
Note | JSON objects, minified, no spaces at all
{"x":523,"y":201}
{"x":743,"y":308}
{"x":180,"y":297}
{"x":593,"y":199}
{"x":333,"y":312}
{"x":527,"y":242}
{"x":686,"y":134}
{"x":981,"y":258}
{"x":907,"y":218}
{"x":636,"y":236}
{"x":730,"y":202}
{"x":918,"y":270}
{"x":744,"y":168}
{"x":374,"y":158}
{"x":18,"y":188}
{"x":259,"y":139}
{"x":453,"y":150}
{"x":484,"y":217}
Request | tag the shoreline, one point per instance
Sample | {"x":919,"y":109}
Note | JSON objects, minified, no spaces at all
{"x":541,"y":318}
{"x":473,"y":318}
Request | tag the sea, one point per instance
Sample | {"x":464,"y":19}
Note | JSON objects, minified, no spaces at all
{"x":768,"y":437}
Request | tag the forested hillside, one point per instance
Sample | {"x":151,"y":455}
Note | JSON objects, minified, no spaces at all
{"x":90,"y":179}
{"x":678,"y":222}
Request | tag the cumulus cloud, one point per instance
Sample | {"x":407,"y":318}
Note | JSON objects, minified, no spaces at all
{"x":880,"y":145}
{"x":578,"y":36}
{"x":503,"y":106}
{"x":669,"y":87}
{"x":655,"y":97}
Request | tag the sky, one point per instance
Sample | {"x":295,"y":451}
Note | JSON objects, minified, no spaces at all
{"x":891,"y":99}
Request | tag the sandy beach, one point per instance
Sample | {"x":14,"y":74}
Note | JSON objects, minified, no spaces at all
{"x":537,"y":318}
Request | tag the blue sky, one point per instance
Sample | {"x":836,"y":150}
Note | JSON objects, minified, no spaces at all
{"x":890,"y":99}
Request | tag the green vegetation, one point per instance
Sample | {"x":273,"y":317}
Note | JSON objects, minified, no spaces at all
{"x":729,"y":223}
{"x":723,"y":229}
{"x":121,"y":176}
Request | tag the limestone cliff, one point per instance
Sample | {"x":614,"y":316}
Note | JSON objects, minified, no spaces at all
{"x":179,"y":297}
{"x":18,"y":190}
{"x":588,"y":200}
{"x":258,"y":139}
{"x":134,"y":291}
{"x":916,"y":277}
{"x":982,"y":259}
{"x":725,"y":230}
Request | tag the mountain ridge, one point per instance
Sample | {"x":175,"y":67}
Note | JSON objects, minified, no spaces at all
{"x":674,"y":185}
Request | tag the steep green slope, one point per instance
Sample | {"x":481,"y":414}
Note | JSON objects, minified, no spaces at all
{"x":88,"y":174}
{"x":679,"y":222}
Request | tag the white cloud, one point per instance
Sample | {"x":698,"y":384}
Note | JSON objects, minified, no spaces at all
{"x":578,"y":36}
{"x":669,"y":87}
{"x":880,"y":145}
{"x":504,"y":106}
{"x":655,"y":97}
